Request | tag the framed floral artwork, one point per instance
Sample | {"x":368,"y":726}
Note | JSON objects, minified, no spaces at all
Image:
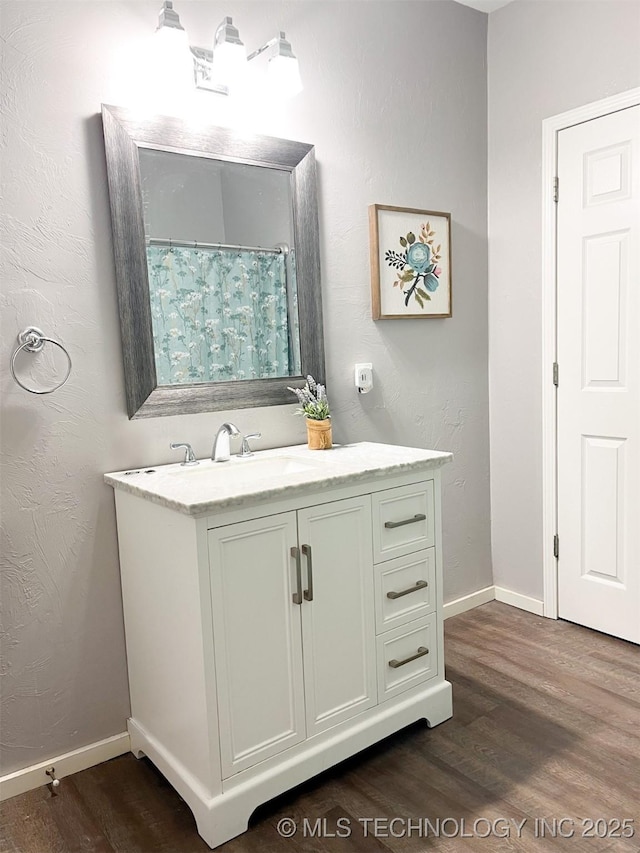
{"x":410,"y":263}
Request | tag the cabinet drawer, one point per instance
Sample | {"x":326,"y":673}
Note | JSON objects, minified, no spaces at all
{"x":405,"y":589}
{"x":407,"y":656}
{"x":403,"y":521}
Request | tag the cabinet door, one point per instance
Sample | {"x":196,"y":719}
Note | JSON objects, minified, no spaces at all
{"x":257,"y":639}
{"x":338,"y":628}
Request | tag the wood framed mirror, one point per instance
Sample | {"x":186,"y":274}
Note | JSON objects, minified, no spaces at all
{"x":242,"y":210}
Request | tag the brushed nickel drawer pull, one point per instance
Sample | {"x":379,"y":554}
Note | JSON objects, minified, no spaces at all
{"x":308,"y":593}
{"x":297,"y":596}
{"x":419,"y":585}
{"x":419,"y":516}
{"x":422,"y":651}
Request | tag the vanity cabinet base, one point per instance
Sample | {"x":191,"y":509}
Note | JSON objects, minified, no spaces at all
{"x":223,"y":817}
{"x":269,"y":641}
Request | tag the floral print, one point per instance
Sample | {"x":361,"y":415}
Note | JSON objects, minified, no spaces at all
{"x":419,"y":260}
{"x":222,"y":314}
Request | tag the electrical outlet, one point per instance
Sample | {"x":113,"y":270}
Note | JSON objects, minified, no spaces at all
{"x":364,"y":377}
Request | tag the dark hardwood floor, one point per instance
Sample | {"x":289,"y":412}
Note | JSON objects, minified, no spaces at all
{"x":546,"y":727}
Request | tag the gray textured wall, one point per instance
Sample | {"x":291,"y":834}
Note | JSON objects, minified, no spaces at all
{"x":544,"y":58}
{"x":395,"y":102}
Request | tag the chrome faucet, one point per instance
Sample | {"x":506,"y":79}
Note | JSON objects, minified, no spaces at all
{"x":189,"y":455}
{"x":221,"y":448}
{"x":245,"y":449}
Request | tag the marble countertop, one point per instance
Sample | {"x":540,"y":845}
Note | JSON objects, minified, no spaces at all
{"x":212,"y":486}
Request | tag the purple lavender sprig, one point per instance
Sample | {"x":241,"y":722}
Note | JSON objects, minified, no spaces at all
{"x":313,"y":400}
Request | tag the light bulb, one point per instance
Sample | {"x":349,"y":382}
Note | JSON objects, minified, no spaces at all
{"x":284,"y":76}
{"x":173,"y":67}
{"x":229,"y":64}
{"x":229,"y":56}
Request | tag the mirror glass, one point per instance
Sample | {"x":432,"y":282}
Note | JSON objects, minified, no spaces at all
{"x":216,"y":244}
{"x":221,"y":266}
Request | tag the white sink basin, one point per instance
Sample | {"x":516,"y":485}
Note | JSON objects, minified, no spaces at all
{"x":244,"y":470}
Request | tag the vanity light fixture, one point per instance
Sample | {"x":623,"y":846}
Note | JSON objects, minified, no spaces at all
{"x":229,"y":58}
{"x":224,"y":68}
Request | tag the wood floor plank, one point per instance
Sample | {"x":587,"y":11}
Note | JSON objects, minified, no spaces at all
{"x":562,"y":687}
{"x":478,"y":675}
{"x":137,"y":809}
{"x":546,"y":726}
{"x":574,"y":659}
{"x":585,"y":790}
{"x":415,"y":789}
{"x":572,"y":751}
{"x":359,"y":840}
{"x":76,"y":823}
{"x":26,"y":825}
{"x":471,"y":703}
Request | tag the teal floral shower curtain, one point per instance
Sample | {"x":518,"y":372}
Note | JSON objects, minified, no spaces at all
{"x":222,"y":314}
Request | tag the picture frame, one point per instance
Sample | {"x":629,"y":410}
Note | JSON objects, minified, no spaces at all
{"x":410,"y":263}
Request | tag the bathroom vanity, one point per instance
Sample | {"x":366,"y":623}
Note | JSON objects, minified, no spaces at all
{"x":282,"y":613}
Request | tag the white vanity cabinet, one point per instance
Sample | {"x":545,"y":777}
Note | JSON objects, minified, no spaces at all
{"x":274,"y":630}
{"x":292,"y":604}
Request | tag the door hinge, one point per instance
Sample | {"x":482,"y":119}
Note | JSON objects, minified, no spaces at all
{"x":556,"y":546}
{"x":556,"y":373}
{"x":556,"y":189}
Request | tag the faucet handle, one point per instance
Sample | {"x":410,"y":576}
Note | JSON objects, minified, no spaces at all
{"x":245,"y":450}
{"x":189,"y":455}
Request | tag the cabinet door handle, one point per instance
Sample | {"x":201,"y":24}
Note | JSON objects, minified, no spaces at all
{"x":422,"y":651}
{"x":419,"y":585}
{"x":308,"y":593}
{"x":419,"y":516}
{"x":297,"y":596}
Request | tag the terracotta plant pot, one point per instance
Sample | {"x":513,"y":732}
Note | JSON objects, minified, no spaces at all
{"x":319,"y":434}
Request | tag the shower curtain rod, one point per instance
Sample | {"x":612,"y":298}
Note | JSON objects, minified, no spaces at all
{"x":193,"y":244}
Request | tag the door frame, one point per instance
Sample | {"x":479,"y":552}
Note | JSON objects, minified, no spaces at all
{"x":551,"y":127}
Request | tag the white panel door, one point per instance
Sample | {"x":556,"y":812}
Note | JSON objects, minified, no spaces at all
{"x":257,"y":639}
{"x":338,"y":612}
{"x":598,"y":292}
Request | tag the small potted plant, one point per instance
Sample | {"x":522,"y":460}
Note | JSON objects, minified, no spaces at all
{"x":315,"y":407}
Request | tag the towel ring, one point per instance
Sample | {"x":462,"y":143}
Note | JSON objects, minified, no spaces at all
{"x":33,"y":339}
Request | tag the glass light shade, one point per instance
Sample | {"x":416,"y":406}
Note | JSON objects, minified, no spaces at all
{"x":229,"y":64}
{"x":284,"y":76}
{"x":173,"y":71}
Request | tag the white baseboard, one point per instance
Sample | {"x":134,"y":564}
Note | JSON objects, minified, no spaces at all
{"x":71,"y":762}
{"x":516,"y":599}
{"x":468,"y":602}
{"x":493,"y":593}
